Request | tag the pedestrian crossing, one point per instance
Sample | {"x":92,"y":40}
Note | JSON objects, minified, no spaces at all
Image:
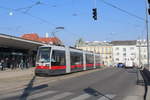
{"x":59,"y":95}
{"x":37,"y":95}
{"x":107,"y":97}
{"x":81,"y":97}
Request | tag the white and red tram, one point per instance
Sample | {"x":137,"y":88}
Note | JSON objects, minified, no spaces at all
{"x":55,"y":60}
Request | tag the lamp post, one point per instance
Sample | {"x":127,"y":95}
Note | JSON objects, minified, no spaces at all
{"x":146,"y":23}
{"x":53,"y":34}
{"x":56,"y":30}
{"x":139,"y":52}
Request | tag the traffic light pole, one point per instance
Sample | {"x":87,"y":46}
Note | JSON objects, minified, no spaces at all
{"x":146,"y":20}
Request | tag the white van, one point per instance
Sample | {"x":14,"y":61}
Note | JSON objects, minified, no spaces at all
{"x":129,"y":64}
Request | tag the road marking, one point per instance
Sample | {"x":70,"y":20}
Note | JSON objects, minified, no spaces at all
{"x":37,"y":95}
{"x":59,"y":96}
{"x":82,"y":97}
{"x":8,"y":95}
{"x":107,"y":97}
{"x":133,"y":98}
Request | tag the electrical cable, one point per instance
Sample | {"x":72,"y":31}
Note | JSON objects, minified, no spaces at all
{"x":122,"y":10}
{"x":38,"y":18}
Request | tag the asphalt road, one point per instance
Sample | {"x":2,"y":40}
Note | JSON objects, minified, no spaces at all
{"x":107,"y":84}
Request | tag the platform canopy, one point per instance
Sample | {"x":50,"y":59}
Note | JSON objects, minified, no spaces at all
{"x":18,"y":43}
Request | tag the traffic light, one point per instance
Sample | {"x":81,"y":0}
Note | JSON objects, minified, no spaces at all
{"x":149,"y":1}
{"x":149,"y":11}
{"x":94,"y":13}
{"x":149,"y":7}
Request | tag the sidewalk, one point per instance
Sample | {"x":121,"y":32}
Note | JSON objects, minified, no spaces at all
{"x":16,"y":73}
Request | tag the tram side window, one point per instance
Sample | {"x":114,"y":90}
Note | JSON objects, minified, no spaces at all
{"x":89,"y":59}
{"x":97,"y":59}
{"x":76,"y":58}
{"x":58,"y":58}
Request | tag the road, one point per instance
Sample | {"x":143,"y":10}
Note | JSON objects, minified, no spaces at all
{"x":106,"y":84}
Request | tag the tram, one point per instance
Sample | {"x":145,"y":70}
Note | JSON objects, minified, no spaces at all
{"x":57,"y":60}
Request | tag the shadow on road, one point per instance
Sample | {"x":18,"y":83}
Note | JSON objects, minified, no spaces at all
{"x":27,"y":91}
{"x":95,"y":93}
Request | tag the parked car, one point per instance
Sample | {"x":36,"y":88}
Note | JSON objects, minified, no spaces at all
{"x":120,"y":65}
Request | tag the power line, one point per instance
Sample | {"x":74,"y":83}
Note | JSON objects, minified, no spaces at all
{"x":43,"y":3}
{"x":26,"y":13}
{"x":37,"y":18}
{"x":122,"y":10}
{"x":26,"y":9}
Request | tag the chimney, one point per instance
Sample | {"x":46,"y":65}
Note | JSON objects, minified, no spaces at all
{"x":46,"y":35}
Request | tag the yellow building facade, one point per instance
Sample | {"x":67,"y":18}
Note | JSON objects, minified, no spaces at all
{"x":103,"y":48}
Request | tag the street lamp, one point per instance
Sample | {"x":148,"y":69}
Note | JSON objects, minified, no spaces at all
{"x":56,"y":30}
{"x":146,"y":22}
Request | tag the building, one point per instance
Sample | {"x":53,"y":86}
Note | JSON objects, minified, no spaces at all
{"x":103,"y":48}
{"x":17,"y":50}
{"x":125,"y":51}
{"x":47,"y":40}
{"x":14,"y":49}
{"x":142,"y":52}
{"x":115,"y":52}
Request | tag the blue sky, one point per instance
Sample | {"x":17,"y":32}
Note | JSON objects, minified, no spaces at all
{"x":112,"y":24}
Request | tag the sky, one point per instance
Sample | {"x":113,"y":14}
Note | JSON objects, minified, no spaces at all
{"x":18,"y":17}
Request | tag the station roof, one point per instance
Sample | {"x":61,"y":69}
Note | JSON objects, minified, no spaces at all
{"x":17,"y":42}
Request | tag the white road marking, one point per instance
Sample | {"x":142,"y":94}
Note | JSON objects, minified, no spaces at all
{"x":107,"y":97}
{"x":133,"y":98}
{"x":41,"y":94}
{"x":82,"y":97}
{"x":59,"y":96}
{"x":8,"y":95}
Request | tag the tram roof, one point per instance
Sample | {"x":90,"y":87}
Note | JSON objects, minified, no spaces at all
{"x":17,"y":42}
{"x":62,"y":47}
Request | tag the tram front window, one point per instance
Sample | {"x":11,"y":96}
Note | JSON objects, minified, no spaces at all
{"x":44,"y":55}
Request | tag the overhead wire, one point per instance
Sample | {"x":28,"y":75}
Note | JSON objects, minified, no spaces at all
{"x":122,"y":10}
{"x":65,"y":29}
{"x":26,"y":13}
{"x":37,"y":18}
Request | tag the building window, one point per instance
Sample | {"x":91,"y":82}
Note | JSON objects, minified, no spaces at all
{"x":102,"y":50}
{"x":117,"y":48}
{"x":124,"y":54}
{"x":110,"y":56}
{"x":124,"y":49}
{"x":131,"y":48}
{"x":144,"y":56}
{"x":106,"y":57}
{"x":106,"y":49}
{"x":117,"y":59}
{"x":117,"y":53}
{"x":132,"y":54}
